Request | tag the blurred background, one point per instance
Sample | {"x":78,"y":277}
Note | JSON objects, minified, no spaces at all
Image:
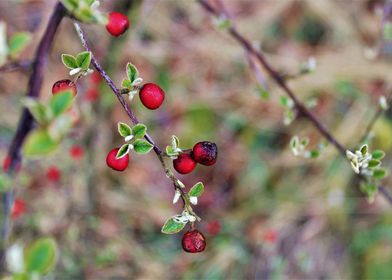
{"x":266,"y":213}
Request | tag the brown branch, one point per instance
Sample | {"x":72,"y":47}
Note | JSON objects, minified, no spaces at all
{"x":26,"y":122}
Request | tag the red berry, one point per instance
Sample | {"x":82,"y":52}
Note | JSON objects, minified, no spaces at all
{"x":96,"y":78}
{"x":92,"y":94}
{"x":117,"y":164}
{"x":193,"y":242}
{"x":270,"y":236}
{"x":184,"y":163}
{"x":213,"y":227}
{"x":76,"y":152}
{"x":64,"y":85}
{"x":7,"y":164}
{"x":18,"y":208}
{"x":117,"y":24}
{"x":205,"y":153}
{"x":53,"y":174}
{"x":152,"y":96}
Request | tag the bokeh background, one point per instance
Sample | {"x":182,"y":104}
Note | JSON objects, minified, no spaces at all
{"x":266,"y":213}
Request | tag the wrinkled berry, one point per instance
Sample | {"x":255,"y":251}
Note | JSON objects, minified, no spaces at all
{"x":184,"y":163}
{"x":205,"y":153}
{"x":193,"y":242}
{"x":117,"y":164}
{"x":152,"y":96}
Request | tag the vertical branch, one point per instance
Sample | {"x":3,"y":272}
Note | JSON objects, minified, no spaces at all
{"x":26,"y":122}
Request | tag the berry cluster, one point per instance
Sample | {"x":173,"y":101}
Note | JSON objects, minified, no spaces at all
{"x":204,"y":153}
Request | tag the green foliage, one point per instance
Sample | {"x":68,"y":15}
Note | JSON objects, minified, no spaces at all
{"x":18,"y":42}
{"x":172,"y":226}
{"x":124,"y":129}
{"x":39,"y":143}
{"x":197,"y":190}
{"x":84,"y":11}
{"x":142,"y":146}
{"x":78,"y":64}
{"x":40,"y":257}
{"x":124,"y":149}
{"x":139,"y":130}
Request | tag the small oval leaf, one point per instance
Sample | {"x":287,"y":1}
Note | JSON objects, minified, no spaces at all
{"x":142,"y":146}
{"x":171,"y":226}
{"x":197,"y":190}
{"x":40,"y":257}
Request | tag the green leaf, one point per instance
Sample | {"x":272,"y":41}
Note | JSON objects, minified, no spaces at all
{"x":37,"y":109}
{"x":264,"y":94}
{"x":18,"y":43}
{"x":39,"y":143}
{"x":132,"y":72}
{"x":283,"y":101}
{"x":69,"y":61}
{"x":123,"y":151}
{"x":70,"y":4}
{"x":142,"y":146}
{"x":60,"y":126}
{"x":364,"y":149}
{"x":139,"y":130}
{"x":126,"y":84}
{"x":61,"y":102}
{"x":314,"y":153}
{"x":170,"y":152}
{"x":171,"y":226}
{"x":197,"y":190}
{"x":379,"y":173}
{"x":83,"y":60}
{"x":40,"y":257}
{"x":124,"y":129}
{"x":374,"y":163}
{"x":378,"y":154}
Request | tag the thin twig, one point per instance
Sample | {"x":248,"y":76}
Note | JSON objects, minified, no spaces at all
{"x":134,"y":120}
{"x":26,"y":122}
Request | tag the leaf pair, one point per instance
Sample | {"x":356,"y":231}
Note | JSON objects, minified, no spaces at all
{"x":85,"y":10}
{"x":81,"y":61}
{"x":135,"y":136}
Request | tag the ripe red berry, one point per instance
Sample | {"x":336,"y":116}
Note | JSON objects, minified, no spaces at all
{"x":117,"y":164}
{"x":96,"y":78}
{"x":270,"y":236}
{"x":193,"y":242}
{"x":7,"y":164}
{"x":152,"y":96}
{"x":205,"y":153}
{"x":18,"y":208}
{"x":76,"y":151}
{"x":92,"y":95}
{"x":213,"y":227}
{"x":53,"y":174}
{"x":184,"y":163}
{"x":63,"y":85}
{"x":117,"y":24}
